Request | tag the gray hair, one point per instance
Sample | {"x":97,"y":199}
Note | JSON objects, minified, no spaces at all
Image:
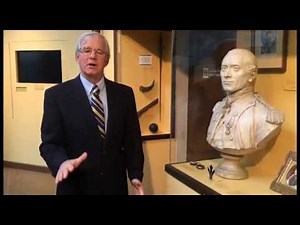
{"x":88,"y":34}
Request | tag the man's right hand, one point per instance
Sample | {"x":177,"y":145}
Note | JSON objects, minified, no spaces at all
{"x":69,"y":166}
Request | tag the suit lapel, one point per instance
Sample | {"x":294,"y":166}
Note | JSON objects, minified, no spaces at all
{"x":78,"y":96}
{"x":111,"y":104}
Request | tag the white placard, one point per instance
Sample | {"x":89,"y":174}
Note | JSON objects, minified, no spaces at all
{"x":145,"y":60}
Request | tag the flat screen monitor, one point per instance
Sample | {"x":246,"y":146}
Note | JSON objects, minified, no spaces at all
{"x":39,"y":66}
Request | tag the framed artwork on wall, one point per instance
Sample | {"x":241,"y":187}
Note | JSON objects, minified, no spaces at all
{"x":286,"y":181}
{"x":270,"y":47}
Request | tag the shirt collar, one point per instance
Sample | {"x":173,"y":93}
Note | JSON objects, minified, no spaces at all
{"x":88,"y":85}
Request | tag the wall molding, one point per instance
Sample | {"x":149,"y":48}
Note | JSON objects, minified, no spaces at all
{"x":23,"y":166}
{"x":155,"y":137}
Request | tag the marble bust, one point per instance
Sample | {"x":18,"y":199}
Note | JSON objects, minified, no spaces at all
{"x":243,"y":121}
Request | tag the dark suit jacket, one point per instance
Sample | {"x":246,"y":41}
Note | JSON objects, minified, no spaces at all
{"x":68,"y":129}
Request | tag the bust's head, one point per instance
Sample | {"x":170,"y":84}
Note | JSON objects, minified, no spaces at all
{"x":238,"y":70}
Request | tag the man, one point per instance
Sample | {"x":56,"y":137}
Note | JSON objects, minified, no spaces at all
{"x":91,"y":144}
{"x":242,"y":120}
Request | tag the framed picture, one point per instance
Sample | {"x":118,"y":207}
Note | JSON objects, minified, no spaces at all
{"x":270,"y":48}
{"x":286,"y":181}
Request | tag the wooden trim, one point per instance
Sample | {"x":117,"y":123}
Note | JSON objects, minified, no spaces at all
{"x":23,"y":166}
{"x":145,"y":108}
{"x":155,"y":137}
{"x":189,"y":181}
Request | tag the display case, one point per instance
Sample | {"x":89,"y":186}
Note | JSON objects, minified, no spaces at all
{"x":196,"y":83}
{"x":175,"y":78}
{"x":198,"y":181}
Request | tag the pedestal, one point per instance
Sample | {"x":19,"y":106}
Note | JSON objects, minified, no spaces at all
{"x":230,"y":168}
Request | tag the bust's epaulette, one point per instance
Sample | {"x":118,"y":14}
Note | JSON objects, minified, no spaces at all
{"x":274,"y":116}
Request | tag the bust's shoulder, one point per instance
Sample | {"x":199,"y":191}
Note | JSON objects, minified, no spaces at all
{"x":260,"y":100}
{"x":273,"y":116}
{"x":219,"y":105}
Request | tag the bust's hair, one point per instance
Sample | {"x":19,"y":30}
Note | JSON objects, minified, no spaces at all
{"x":88,"y":34}
{"x":248,"y":58}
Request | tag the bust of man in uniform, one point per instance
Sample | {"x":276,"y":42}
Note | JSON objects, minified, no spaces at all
{"x":242,"y":120}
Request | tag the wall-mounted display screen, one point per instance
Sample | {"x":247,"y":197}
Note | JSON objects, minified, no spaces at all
{"x":39,"y":66}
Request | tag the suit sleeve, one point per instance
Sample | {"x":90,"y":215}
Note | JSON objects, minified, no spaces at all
{"x":133,"y":141}
{"x":52,"y":134}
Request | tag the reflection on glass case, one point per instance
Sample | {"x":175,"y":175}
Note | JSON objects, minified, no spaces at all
{"x":196,"y":86}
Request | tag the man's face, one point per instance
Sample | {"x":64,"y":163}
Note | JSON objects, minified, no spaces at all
{"x":234,"y":73}
{"x":92,"y":57}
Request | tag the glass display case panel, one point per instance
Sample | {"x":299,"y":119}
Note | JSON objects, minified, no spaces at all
{"x":196,"y":87}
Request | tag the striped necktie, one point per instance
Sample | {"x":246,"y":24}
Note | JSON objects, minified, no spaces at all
{"x":98,"y":110}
